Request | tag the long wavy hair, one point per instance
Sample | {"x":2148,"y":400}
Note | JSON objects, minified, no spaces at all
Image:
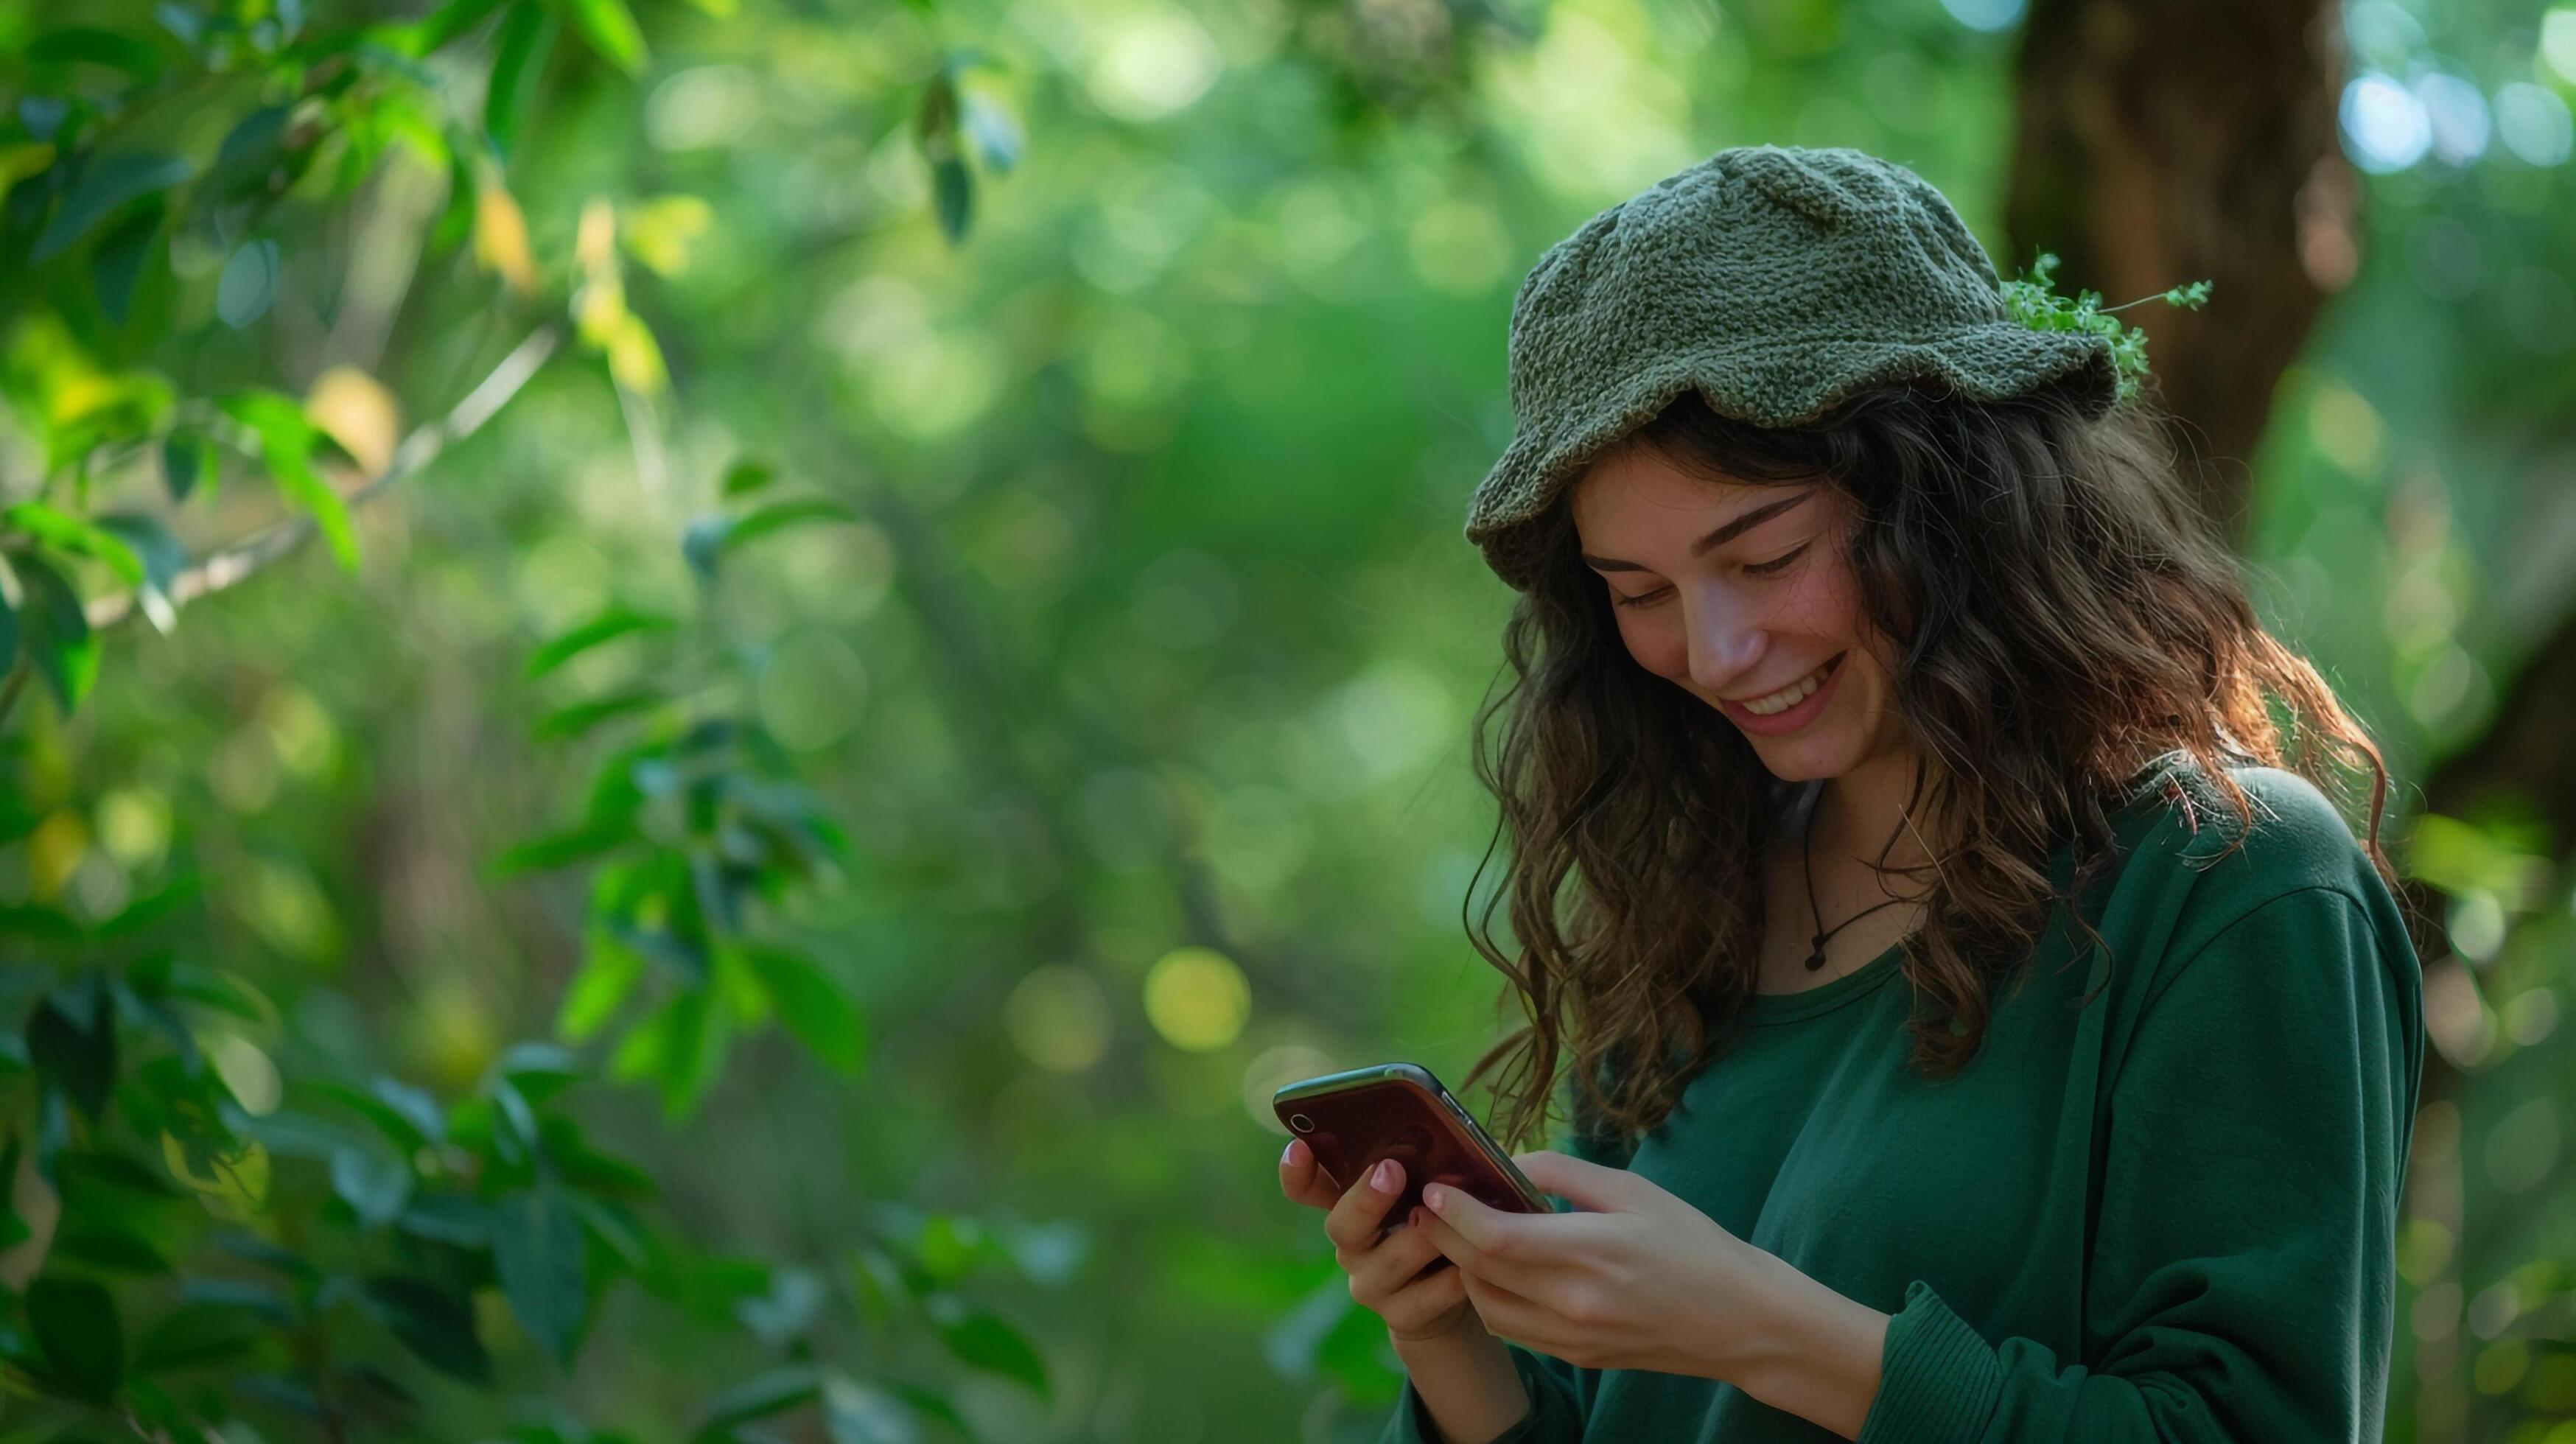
{"x":2059,"y":613}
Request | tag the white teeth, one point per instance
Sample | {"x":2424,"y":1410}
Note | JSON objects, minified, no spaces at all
{"x":1789,"y":696}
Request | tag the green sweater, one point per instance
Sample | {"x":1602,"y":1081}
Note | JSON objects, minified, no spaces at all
{"x":2169,"y":1215}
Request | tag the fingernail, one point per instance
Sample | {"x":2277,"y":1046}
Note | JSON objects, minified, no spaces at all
{"x":1436,"y":1197}
{"x":1288,"y":1155}
{"x":1382,"y":1177}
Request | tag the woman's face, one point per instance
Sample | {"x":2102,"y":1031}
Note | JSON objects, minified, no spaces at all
{"x":1739,"y":593}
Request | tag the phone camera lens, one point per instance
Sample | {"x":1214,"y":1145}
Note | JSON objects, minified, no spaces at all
{"x":1301,"y":1122}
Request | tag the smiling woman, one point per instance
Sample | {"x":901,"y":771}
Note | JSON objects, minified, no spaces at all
{"x":1864,"y":636}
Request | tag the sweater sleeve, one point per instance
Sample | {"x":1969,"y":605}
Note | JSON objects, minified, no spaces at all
{"x":1557,"y":1389}
{"x":1557,"y":1419}
{"x":2241,"y":1282}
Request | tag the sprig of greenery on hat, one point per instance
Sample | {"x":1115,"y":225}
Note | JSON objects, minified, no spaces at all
{"x":2033,"y":303}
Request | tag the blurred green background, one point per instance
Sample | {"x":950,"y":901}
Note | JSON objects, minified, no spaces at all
{"x":702,"y":695}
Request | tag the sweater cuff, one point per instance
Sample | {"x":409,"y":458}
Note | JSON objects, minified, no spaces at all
{"x":1938,"y":1379}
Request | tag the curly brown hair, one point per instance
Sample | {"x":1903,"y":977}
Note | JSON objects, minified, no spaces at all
{"x":2097,"y":622}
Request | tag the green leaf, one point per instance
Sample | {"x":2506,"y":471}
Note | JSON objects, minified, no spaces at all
{"x":518,"y":60}
{"x":779,"y":516}
{"x":74,"y":1321}
{"x":80,"y":1058}
{"x":775,"y":1392}
{"x":452,"y":19}
{"x":398,"y":1129}
{"x":107,"y":184}
{"x":186,"y":460}
{"x":934,"y":1405}
{"x":747,"y":475}
{"x":118,"y":262}
{"x":198,"y":1333}
{"x":286,"y":441}
{"x":221,"y":991}
{"x":954,"y":191}
{"x":162,"y":556}
{"x":682,"y":1045}
{"x":813,"y":1009}
{"x":607,"y":627}
{"x":858,"y":1412}
{"x":786,"y":1313}
{"x":98,"y":47}
{"x":995,"y":133}
{"x":65,"y":532}
{"x":417,"y":1106}
{"x":610,"y":28}
{"x":562,"y":849}
{"x":108,"y":1170}
{"x":8,"y":635}
{"x":979,"y":1337}
{"x":551,"y":1063}
{"x":436,"y":1324}
{"x":249,"y":152}
{"x":580,"y":717}
{"x":248,"y":285}
{"x":148,"y":541}
{"x":105,"y":1246}
{"x":609,"y":971}
{"x":375,"y":1184}
{"x":703,"y":541}
{"x":55,"y":630}
{"x":451,"y":1218}
{"x":537,"y":1250}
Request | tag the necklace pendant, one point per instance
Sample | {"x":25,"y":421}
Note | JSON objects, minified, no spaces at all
{"x":1816,"y":959}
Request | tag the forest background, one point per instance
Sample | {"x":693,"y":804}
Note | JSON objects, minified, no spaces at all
{"x":698,"y":696}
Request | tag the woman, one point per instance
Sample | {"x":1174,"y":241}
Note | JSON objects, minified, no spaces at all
{"x":1934,"y":889}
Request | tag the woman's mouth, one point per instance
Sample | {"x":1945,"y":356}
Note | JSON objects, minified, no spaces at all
{"x":1791,"y":707}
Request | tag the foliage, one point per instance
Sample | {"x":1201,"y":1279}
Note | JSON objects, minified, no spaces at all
{"x":213,"y":1243}
{"x":2030,"y":301}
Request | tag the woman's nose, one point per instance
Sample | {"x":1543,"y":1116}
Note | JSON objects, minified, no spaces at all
{"x":1723,"y":647}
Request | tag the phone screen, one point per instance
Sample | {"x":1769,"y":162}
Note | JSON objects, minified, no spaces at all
{"x":1399,"y":1111}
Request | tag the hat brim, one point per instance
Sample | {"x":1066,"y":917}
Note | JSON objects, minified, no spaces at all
{"x":1778,"y":385}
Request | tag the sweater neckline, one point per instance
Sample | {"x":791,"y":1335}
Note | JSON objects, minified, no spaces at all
{"x":1761,"y":1008}
{"x":1766,"y":1008}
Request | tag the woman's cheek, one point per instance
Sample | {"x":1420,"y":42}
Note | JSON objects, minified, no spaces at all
{"x":1658,"y":646}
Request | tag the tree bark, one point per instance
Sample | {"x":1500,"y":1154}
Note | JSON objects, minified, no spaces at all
{"x":2168,"y":141}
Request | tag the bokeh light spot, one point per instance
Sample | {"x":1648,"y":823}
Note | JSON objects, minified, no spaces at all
{"x":1197,"y":999}
{"x":2385,"y":127}
{"x":2533,"y":123}
{"x":1059,"y":1017}
{"x":247,"y":1072}
{"x":812,"y":689}
{"x":1154,"y":64}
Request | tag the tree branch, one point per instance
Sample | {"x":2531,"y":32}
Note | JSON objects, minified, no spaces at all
{"x":231,"y":565}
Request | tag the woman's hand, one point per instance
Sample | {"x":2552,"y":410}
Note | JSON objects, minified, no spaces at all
{"x":1385,"y":1268}
{"x":1642,"y":1281}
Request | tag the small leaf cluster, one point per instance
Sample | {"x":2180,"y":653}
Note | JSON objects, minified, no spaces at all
{"x":296,"y":1262}
{"x":2032,"y":301}
{"x":694,"y":825}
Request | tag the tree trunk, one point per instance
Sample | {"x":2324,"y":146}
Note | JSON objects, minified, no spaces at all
{"x":2164,"y":143}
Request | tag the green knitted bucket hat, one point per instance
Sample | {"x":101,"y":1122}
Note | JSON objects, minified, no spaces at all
{"x":1777,"y":280}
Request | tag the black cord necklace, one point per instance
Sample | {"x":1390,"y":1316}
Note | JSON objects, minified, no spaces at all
{"x":1807,"y":843}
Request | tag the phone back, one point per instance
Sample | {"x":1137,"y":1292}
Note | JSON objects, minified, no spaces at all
{"x":1352,"y":1128}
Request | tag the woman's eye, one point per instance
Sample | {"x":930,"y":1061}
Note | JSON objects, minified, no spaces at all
{"x":1643,"y":598}
{"x":1764,"y":569}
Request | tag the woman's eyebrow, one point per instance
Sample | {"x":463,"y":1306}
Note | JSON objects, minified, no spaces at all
{"x":1722,"y":534}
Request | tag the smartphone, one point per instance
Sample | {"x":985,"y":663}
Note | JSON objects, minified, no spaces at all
{"x":1399,"y":1111}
